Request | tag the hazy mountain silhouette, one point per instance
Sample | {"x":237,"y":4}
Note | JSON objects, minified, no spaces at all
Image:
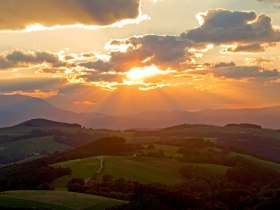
{"x":16,"y":109}
{"x":46,"y":123}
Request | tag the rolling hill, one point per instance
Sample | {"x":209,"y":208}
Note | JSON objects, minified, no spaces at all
{"x":40,"y":136}
{"x":179,"y":161}
{"x":56,"y":200}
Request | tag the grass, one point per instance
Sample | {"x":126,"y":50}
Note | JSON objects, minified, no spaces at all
{"x":141,"y":169}
{"x":14,"y":131}
{"x":213,"y":168}
{"x":84,"y":168}
{"x":21,"y":203}
{"x":148,"y":170}
{"x":144,"y":169}
{"x":56,"y":200}
{"x":265,"y":163}
{"x":32,"y":145}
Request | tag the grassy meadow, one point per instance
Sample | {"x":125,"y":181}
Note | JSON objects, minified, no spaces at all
{"x":56,"y":200}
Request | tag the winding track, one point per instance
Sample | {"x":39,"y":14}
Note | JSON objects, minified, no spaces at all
{"x":100,"y":168}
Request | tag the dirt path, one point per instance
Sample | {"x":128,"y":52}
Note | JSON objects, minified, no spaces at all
{"x":100,"y":168}
{"x":101,"y":165}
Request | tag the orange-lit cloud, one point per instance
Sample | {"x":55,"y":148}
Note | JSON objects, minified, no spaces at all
{"x":83,"y":103}
{"x":30,"y":15}
{"x":18,"y":58}
{"x":233,"y":71}
{"x":157,"y":61}
{"x":222,"y":26}
{"x":35,"y":93}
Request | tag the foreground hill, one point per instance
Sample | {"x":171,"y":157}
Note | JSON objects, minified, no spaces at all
{"x":15,"y":109}
{"x":56,"y":200}
{"x":179,"y":167}
{"x":144,"y":170}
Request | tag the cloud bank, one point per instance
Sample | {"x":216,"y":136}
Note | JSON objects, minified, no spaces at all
{"x":18,"y":59}
{"x":19,"y":14}
{"x":167,"y":59}
{"x":231,"y":70}
{"x":222,"y":26}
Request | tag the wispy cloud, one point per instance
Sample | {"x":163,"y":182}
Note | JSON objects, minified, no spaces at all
{"x":276,"y":3}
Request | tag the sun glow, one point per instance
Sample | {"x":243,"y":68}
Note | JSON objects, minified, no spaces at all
{"x":140,"y":73}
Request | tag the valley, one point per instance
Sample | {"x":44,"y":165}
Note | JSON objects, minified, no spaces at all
{"x":116,"y":164}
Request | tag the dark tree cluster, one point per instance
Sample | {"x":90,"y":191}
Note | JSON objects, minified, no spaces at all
{"x":105,"y":146}
{"x":210,"y":156}
{"x":245,"y":125}
{"x":31,"y":175}
{"x":107,"y":186}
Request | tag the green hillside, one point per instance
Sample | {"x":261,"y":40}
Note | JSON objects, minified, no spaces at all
{"x":30,"y":145}
{"x":141,"y":169}
{"x":56,"y":200}
{"x":267,"y":164}
{"x":81,"y":168}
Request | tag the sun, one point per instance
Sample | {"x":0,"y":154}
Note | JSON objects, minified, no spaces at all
{"x":140,"y":73}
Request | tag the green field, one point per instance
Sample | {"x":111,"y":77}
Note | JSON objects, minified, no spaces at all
{"x":151,"y":170}
{"x":144,"y":169}
{"x":31,"y":145}
{"x":141,"y":169}
{"x":56,"y":200}
{"x":84,"y":168}
{"x":213,"y":168}
{"x":14,"y":131}
{"x":268,"y":164}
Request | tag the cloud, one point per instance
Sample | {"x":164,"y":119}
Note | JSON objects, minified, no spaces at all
{"x":220,"y":26}
{"x":31,"y":84}
{"x":232,"y":71}
{"x":35,"y":93}
{"x":174,"y":56}
{"x":18,"y":58}
{"x":163,"y":51}
{"x":36,"y":87}
{"x":223,"y":64}
{"x":276,"y":3}
{"x":19,"y":14}
{"x":247,"y":48}
{"x":84,"y":103}
{"x":257,"y":60}
{"x":99,"y":65}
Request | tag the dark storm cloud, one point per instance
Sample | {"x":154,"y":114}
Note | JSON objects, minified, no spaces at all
{"x":223,"y":26}
{"x":17,"y":14}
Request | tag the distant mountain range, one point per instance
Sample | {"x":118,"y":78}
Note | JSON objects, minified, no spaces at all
{"x":15,"y":109}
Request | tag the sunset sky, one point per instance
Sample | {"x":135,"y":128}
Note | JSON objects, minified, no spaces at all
{"x":125,"y":56}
